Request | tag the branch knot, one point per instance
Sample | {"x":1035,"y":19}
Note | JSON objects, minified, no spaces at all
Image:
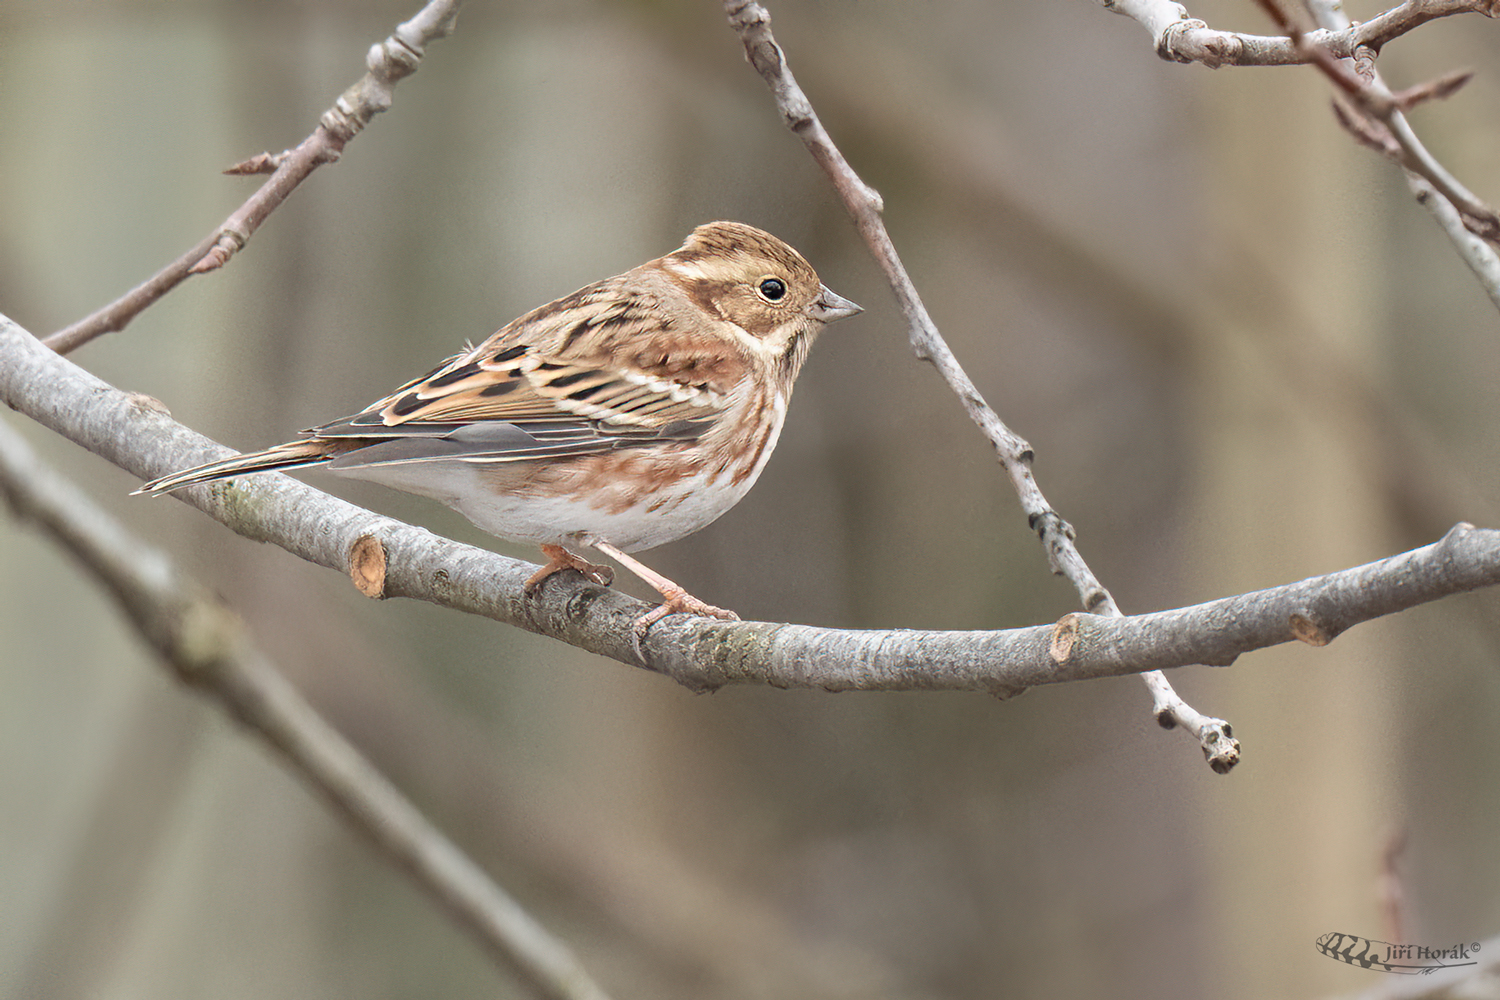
{"x":1170,"y":44}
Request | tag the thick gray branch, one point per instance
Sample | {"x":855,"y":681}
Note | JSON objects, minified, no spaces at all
{"x":134,"y":433}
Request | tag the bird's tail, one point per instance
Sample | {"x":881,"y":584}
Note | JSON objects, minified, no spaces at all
{"x":293,"y":455}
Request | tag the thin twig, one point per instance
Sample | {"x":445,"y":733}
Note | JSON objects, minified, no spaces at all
{"x":1371,"y":95}
{"x":388,"y":62}
{"x":207,"y":648}
{"x":1180,"y":37}
{"x":1466,"y":220}
{"x":1475,"y":252}
{"x":1183,"y":38}
{"x":753,"y":25}
{"x":1461,"y":228}
{"x":1439,"y":89}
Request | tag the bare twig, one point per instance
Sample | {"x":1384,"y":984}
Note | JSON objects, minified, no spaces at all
{"x":207,"y":648}
{"x":387,"y":62}
{"x":1180,"y":37}
{"x":1371,"y":95}
{"x":1475,"y":252}
{"x":1467,"y":234}
{"x":753,"y":25}
{"x":1379,"y":122}
{"x":1439,"y":89}
{"x":703,"y":654}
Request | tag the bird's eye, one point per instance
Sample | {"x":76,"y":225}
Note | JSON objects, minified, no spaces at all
{"x":772,"y":289}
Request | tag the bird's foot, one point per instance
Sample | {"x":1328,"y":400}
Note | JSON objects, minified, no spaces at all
{"x":561,"y":559}
{"x":679,"y":602}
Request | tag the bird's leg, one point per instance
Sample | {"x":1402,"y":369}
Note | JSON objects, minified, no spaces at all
{"x":676,"y":600}
{"x":562,"y":559}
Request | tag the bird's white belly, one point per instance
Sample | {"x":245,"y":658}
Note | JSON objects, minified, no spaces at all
{"x":668,"y":511}
{"x":681,"y":509}
{"x":662,"y":516}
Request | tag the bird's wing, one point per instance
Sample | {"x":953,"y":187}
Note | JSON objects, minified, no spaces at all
{"x":512,"y":400}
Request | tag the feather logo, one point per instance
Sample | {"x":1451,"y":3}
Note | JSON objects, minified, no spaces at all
{"x":1400,"y":959}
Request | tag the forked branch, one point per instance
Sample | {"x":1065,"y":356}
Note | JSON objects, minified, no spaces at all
{"x":1345,"y":52}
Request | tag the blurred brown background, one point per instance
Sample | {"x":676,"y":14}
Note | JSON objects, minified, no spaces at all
{"x":1243,"y":354}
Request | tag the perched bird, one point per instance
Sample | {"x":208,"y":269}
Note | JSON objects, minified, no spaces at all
{"x":623,"y":416}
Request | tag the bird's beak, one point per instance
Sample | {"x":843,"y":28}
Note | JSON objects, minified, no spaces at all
{"x":830,"y":305}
